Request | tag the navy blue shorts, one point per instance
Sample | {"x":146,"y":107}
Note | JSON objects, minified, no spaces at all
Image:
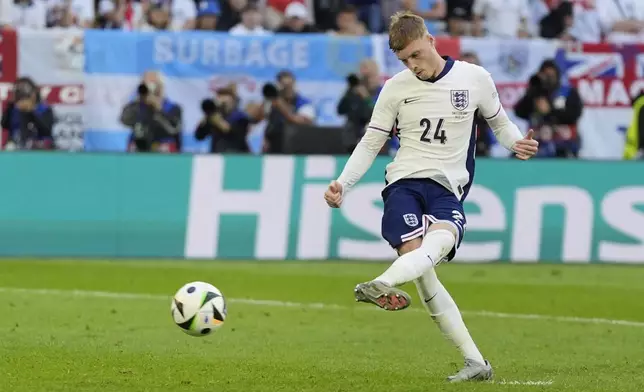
{"x":412,"y":205}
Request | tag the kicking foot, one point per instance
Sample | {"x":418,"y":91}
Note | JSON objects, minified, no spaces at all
{"x":473,"y":371}
{"x":382,"y":295}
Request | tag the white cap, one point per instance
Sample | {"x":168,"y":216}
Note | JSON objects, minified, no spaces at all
{"x":296,"y":10}
{"x":105,"y":6}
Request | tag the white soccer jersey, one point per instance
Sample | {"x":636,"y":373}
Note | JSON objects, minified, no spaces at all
{"x":435,"y":121}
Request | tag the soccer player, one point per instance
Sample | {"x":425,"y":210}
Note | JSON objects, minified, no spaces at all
{"x":433,"y":105}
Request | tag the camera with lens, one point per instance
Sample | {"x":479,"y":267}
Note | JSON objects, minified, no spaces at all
{"x":270,"y":91}
{"x":209,"y":107}
{"x":353,"y":80}
{"x":143,"y":90}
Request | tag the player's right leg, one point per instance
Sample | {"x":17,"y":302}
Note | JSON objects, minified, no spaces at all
{"x":402,"y":227}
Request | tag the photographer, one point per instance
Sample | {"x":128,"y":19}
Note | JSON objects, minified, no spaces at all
{"x":27,"y":120}
{"x":553,"y":110}
{"x":154,"y":119}
{"x":358,"y":101}
{"x":224,"y":123}
{"x":283,"y":106}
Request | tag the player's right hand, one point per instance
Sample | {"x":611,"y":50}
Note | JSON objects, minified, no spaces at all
{"x":333,"y":195}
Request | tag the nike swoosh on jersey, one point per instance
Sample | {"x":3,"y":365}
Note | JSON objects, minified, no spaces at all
{"x":410,"y":100}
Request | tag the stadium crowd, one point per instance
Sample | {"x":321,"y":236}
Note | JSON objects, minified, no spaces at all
{"x":583,"y":20}
{"x":551,"y":108}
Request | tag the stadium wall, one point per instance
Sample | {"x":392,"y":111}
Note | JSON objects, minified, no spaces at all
{"x":242,"y":207}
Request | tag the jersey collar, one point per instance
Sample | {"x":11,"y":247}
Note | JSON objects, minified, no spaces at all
{"x":449,"y":63}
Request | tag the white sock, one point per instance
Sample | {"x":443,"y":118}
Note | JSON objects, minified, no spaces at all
{"x":411,"y":266}
{"x":443,"y":310}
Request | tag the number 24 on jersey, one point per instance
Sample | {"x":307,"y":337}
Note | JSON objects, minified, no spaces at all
{"x":439,"y":132}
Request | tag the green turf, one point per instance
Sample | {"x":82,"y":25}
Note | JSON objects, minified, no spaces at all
{"x":72,"y":343}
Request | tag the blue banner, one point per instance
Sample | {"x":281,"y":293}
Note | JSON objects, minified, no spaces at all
{"x":202,"y":54}
{"x":195,"y":64}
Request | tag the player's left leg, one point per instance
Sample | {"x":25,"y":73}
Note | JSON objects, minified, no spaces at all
{"x":447,"y":212}
{"x":443,"y":310}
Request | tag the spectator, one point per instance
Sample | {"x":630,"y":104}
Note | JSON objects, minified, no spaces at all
{"x":134,"y":14}
{"x":347,"y":22}
{"x":183,"y":14}
{"x":231,"y":13}
{"x":131,"y":14}
{"x":622,"y":20}
{"x":27,"y":122}
{"x":586,"y":26}
{"x":296,"y":19}
{"x":208,"y":16}
{"x":552,"y":110}
{"x":557,"y":23}
{"x":251,"y":23}
{"x":67,"y":13}
{"x":154,"y":119}
{"x":158,"y":19}
{"x":276,"y":9}
{"x":430,"y":10}
{"x":325,"y":12}
{"x":501,"y":18}
{"x":634,"y":148}
{"x":459,"y":17}
{"x":224,"y":123}
{"x":108,"y":17}
{"x":370,"y":12}
{"x":358,"y":101}
{"x":31,"y":14}
{"x":284,"y":105}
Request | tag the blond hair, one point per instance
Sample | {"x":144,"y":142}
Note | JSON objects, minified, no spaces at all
{"x":404,"y":28}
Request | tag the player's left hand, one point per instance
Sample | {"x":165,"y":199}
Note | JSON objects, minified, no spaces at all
{"x":527,"y":147}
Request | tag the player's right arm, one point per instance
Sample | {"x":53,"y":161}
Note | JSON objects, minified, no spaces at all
{"x":377,"y":133}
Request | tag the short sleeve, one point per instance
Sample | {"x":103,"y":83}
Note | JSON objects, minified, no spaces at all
{"x":385,"y":111}
{"x":489,"y":103}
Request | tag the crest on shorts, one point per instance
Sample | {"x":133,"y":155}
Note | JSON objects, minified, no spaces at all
{"x":411,"y":220}
{"x":460,"y":99}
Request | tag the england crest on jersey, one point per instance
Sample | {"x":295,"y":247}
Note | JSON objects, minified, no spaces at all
{"x":460,"y":99}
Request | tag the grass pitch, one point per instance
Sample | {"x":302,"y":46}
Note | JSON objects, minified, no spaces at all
{"x":547,"y":328}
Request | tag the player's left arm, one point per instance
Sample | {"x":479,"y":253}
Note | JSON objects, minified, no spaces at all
{"x":506,"y":132}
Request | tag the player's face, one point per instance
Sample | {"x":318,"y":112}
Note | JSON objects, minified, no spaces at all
{"x":420,"y":57}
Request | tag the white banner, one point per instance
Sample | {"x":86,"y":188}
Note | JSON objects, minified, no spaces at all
{"x":54,"y":59}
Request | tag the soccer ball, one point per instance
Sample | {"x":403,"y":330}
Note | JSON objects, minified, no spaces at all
{"x":198,"y":308}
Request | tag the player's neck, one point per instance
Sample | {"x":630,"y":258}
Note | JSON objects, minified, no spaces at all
{"x":440,"y":66}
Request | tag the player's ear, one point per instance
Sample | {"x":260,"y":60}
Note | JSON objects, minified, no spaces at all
{"x":431,"y":39}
